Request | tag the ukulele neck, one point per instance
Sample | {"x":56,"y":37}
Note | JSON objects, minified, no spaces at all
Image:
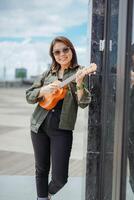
{"x":67,"y":81}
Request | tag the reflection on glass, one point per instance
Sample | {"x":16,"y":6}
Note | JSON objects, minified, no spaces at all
{"x":130,"y":168}
{"x":130,"y":163}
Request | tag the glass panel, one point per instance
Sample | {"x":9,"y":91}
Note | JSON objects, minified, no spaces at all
{"x":130,"y":159}
{"x":110,"y":98}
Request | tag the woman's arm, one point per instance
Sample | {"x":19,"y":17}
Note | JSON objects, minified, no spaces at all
{"x":38,"y":90}
{"x":83,"y":94}
{"x":33,"y":93}
{"x":82,"y":81}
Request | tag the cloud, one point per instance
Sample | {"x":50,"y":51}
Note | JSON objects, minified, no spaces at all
{"x":32,"y":56}
{"x":40,"y":17}
{"x":37,"y":18}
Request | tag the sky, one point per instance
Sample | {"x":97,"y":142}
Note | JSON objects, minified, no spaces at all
{"x":29,"y":26}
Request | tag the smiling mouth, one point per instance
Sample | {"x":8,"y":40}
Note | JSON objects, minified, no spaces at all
{"x":63,"y":59}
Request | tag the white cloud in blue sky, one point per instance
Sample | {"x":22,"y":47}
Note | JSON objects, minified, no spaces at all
{"x":28,"y":26}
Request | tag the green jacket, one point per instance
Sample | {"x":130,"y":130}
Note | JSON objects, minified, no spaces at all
{"x":69,"y":107}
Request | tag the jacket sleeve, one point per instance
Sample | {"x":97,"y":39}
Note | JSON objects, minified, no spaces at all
{"x":33,"y":92}
{"x":86,"y":97}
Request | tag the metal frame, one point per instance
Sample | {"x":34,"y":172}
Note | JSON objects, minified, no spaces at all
{"x":104,"y":96}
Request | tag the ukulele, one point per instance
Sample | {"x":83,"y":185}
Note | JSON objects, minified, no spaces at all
{"x":51,"y":100}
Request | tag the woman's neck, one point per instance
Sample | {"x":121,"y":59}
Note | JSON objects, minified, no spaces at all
{"x":61,"y":70}
{"x":61,"y":73}
{"x":63,"y":67}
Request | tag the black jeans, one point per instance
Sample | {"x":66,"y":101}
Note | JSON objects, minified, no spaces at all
{"x":51,"y":144}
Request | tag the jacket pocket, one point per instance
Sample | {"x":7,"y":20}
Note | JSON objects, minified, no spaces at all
{"x":38,"y":115}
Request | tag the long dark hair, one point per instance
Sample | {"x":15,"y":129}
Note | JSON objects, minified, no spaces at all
{"x":55,"y":66}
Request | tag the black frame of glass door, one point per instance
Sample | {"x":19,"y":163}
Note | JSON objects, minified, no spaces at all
{"x":105,"y":77}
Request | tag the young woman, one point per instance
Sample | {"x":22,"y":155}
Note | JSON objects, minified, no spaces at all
{"x":52,"y":125}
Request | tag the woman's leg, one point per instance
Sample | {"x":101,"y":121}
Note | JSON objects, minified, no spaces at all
{"x":61,"y":144}
{"x":41,"y":146}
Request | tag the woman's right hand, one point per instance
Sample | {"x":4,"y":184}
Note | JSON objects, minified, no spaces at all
{"x":51,"y":88}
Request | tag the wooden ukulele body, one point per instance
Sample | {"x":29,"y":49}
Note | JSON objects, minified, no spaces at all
{"x":51,"y":100}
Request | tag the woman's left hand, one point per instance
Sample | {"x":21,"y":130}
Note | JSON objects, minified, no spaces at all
{"x":79,"y":76}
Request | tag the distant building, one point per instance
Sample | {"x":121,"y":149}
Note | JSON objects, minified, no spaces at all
{"x":21,"y":73}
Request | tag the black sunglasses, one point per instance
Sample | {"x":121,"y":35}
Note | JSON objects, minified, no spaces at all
{"x":63,"y":50}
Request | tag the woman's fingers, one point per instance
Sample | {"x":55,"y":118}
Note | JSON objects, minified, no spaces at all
{"x":55,"y":84}
{"x":80,"y":74}
{"x":51,"y":88}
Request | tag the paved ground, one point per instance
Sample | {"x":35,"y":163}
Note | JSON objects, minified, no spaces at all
{"x":16,"y":153}
{"x":23,"y":188}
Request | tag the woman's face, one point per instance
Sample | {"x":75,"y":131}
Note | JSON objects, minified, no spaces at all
{"x":62,"y":54}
